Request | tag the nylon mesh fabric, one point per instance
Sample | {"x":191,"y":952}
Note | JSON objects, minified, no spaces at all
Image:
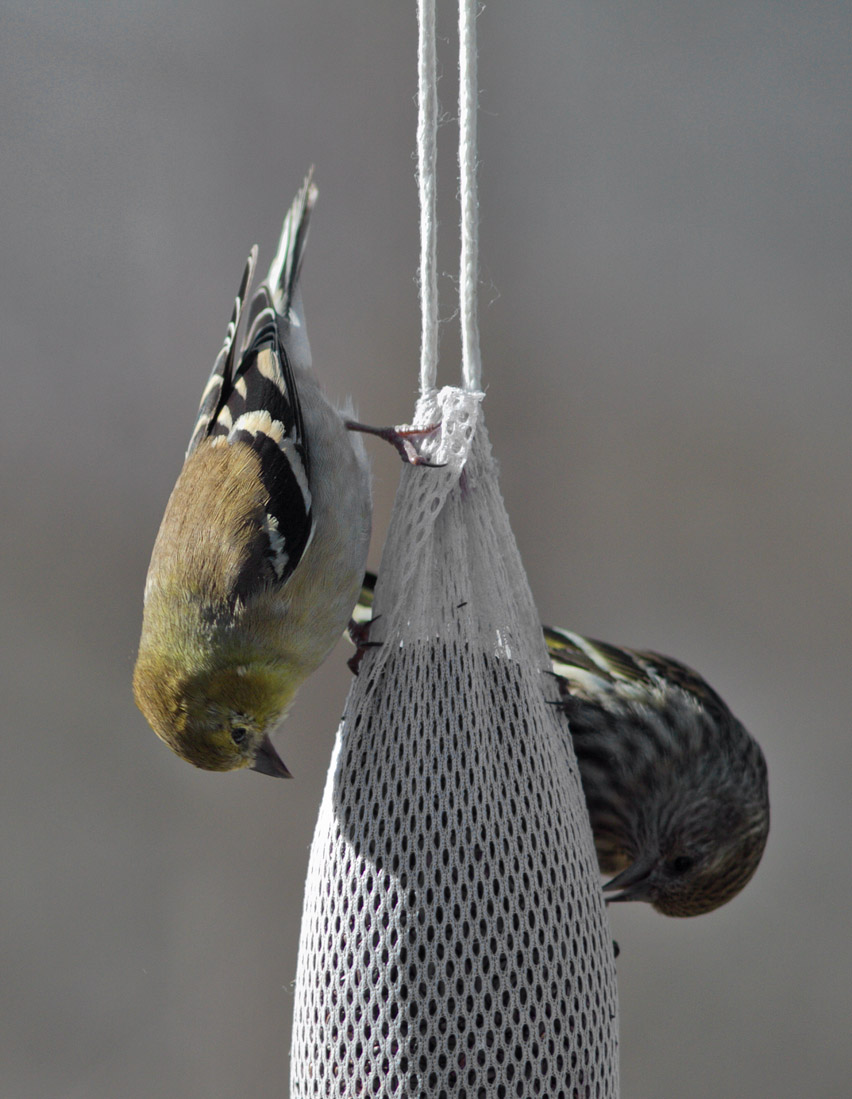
{"x":454,"y":940}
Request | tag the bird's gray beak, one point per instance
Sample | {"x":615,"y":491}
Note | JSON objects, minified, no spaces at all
{"x":634,"y":883}
{"x":268,"y":762}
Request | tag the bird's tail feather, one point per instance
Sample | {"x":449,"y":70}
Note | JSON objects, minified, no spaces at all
{"x":284,"y":270}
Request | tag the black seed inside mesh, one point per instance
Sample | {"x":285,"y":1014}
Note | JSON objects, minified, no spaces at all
{"x":456,"y":954}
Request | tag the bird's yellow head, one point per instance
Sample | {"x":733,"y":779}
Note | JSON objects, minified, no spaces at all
{"x":217,"y":720}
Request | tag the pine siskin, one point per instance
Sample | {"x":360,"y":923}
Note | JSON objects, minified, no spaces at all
{"x":676,"y":788}
{"x":262,"y":547}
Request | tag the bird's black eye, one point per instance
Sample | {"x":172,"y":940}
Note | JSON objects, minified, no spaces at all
{"x":238,"y":734}
{"x":681,"y":865}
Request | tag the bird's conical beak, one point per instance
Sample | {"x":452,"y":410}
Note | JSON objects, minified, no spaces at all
{"x":268,"y":762}
{"x":632,"y":884}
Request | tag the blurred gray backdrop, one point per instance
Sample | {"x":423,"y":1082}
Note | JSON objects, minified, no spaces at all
{"x":666,"y":323}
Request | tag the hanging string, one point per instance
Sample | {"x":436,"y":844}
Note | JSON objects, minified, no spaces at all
{"x":427,"y":122}
{"x":469,"y":260}
{"x":427,"y":126}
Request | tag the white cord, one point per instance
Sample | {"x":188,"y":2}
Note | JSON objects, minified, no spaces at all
{"x":469,"y":261}
{"x":427,"y":125}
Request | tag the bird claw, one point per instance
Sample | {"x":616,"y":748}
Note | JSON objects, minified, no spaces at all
{"x":399,"y":438}
{"x":359,"y":635}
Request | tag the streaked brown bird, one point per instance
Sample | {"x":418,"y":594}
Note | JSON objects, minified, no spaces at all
{"x":675,"y":786}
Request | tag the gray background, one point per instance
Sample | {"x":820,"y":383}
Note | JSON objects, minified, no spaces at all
{"x":666,"y":261}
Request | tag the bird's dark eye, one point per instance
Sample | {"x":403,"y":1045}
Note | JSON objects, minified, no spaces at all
{"x":238,"y":734}
{"x":681,"y":865}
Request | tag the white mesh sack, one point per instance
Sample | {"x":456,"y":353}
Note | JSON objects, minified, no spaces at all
{"x":454,"y":940}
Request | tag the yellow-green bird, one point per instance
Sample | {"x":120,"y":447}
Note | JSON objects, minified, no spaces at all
{"x":262,"y":548}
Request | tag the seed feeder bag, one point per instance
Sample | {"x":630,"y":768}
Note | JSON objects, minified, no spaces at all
{"x":454,"y":940}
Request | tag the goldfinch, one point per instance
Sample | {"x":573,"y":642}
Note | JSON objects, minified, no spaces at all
{"x":262,"y":548}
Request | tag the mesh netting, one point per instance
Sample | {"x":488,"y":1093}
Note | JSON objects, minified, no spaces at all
{"x":454,"y":940}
